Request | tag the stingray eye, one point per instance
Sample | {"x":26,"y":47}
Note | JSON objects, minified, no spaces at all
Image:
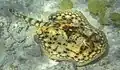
{"x":95,"y":37}
{"x":52,"y":17}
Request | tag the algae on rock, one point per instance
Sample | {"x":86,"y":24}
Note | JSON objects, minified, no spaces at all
{"x":66,"y":4}
{"x":115,"y":17}
{"x":99,"y":8}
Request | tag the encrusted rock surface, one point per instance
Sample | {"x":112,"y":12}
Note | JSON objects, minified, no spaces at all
{"x":18,"y":50}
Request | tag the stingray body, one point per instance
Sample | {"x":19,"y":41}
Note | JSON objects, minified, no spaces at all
{"x":68,"y":36}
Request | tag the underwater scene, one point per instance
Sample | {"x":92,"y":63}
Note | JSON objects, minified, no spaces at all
{"x":59,"y":34}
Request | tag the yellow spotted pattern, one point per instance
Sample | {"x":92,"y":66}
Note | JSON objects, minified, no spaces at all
{"x":70,"y":37}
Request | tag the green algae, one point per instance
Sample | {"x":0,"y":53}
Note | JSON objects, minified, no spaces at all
{"x":115,"y":17}
{"x":98,"y":8}
{"x":66,"y":4}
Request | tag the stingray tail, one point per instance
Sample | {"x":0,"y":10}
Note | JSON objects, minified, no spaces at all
{"x":29,"y":20}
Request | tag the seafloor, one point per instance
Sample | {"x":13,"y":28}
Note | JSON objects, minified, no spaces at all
{"x":18,"y":50}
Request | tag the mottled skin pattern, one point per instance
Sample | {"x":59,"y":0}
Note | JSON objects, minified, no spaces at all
{"x":68,"y":36}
